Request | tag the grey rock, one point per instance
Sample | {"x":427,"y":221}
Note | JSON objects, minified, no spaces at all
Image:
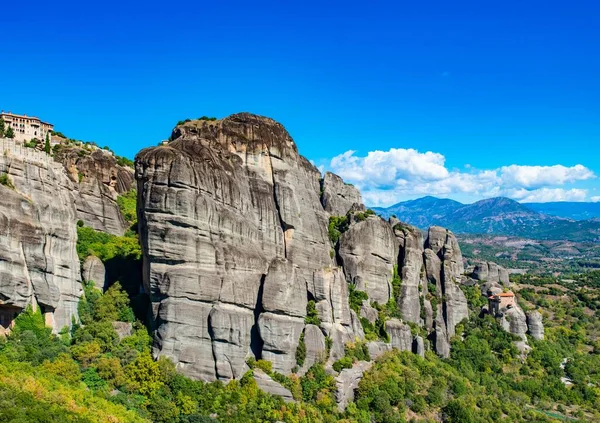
{"x":369,"y":250}
{"x":378,"y":348}
{"x":123,"y":329}
{"x":93,"y":270}
{"x":338,"y":197}
{"x":268,"y":385}
{"x":535,"y":325}
{"x":419,"y":346}
{"x":368,"y":312}
{"x":513,"y":320}
{"x":230,"y":214}
{"x":315,"y":346}
{"x":490,"y":272}
{"x":97,"y":182}
{"x":38,"y":258}
{"x":400,"y":335}
{"x":411,"y":271}
{"x":347,"y":382}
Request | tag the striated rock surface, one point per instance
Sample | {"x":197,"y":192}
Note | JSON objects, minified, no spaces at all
{"x":38,"y":258}
{"x":369,"y":250}
{"x":93,"y":270}
{"x":97,"y":181}
{"x":338,"y":197}
{"x":347,"y":382}
{"x":490,"y":272}
{"x":232,"y":224}
{"x":444,"y":269}
{"x":412,"y":271}
{"x":268,"y":385}
{"x":400,"y":335}
{"x":234,"y":232}
{"x":535,"y":326}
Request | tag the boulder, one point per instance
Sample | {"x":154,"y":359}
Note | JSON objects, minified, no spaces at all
{"x":400,"y":335}
{"x":535,"y":326}
{"x":93,"y":271}
{"x":268,"y":385}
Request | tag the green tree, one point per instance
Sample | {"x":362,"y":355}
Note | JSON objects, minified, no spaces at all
{"x":2,"y":128}
{"x":9,"y":133}
{"x":47,"y":148}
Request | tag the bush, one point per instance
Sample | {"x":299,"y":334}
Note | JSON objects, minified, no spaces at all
{"x":301,"y":351}
{"x":5,"y":180}
{"x":312,"y":315}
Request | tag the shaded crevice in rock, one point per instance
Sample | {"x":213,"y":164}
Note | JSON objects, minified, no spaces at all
{"x":256,"y":342}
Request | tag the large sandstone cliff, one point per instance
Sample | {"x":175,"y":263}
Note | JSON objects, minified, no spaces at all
{"x":234,"y":230}
{"x":38,"y":258}
{"x":97,"y":182}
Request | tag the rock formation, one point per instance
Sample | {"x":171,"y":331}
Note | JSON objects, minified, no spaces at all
{"x":234,"y":231}
{"x":535,"y":325}
{"x":97,"y":181}
{"x":337,"y":196}
{"x":38,"y":258}
{"x":93,"y":270}
{"x":490,"y":272}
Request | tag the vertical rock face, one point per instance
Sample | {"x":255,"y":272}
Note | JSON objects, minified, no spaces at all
{"x":535,"y":325}
{"x":234,"y":231}
{"x":444,"y":269}
{"x":38,"y":258}
{"x":97,"y":181}
{"x":412,"y":271}
{"x":369,"y":251}
{"x":235,"y":242}
{"x":338,"y":197}
{"x":490,"y":272}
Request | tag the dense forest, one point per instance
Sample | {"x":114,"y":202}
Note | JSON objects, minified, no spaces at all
{"x":102,"y":369}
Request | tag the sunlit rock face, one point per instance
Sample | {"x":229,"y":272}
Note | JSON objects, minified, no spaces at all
{"x":38,"y":259}
{"x":234,"y":232}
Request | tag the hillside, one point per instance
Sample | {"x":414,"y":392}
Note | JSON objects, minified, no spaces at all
{"x":566,"y":209}
{"x":493,"y":216}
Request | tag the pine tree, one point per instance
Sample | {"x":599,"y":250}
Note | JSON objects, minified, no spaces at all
{"x":2,"y":128}
{"x":10,"y":133}
{"x":47,"y":146}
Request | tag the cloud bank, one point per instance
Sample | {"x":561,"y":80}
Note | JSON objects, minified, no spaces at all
{"x":386,"y":177}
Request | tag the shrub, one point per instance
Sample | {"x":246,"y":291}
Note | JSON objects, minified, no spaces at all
{"x":5,"y":180}
{"x":312,"y":315}
{"x":301,"y":351}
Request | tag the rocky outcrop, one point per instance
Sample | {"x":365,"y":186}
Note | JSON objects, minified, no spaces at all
{"x":38,"y":258}
{"x":97,"y":181}
{"x":93,"y":270}
{"x":535,"y":326}
{"x":268,"y":385}
{"x":368,"y":251}
{"x":444,"y":270}
{"x":235,"y":242}
{"x":347,"y":382}
{"x":337,"y":196}
{"x":234,"y":231}
{"x":400,"y":335}
{"x":490,"y":272}
{"x":412,"y":271}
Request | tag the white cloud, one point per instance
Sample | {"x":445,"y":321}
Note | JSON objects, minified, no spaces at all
{"x":386,"y":177}
{"x":595,"y":199}
{"x":544,"y":195}
{"x":542,"y":176}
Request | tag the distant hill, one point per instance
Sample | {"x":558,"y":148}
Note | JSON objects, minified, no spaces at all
{"x":570,"y":210}
{"x":494,"y":216}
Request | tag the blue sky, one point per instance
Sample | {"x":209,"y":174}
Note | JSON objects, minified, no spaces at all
{"x":505,"y":95}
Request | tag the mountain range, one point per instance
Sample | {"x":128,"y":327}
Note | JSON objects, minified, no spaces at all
{"x":500,"y":215}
